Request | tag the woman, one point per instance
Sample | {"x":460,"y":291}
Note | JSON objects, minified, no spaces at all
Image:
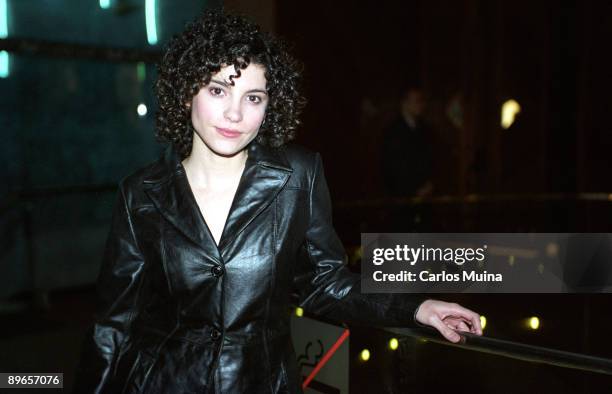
{"x":208,"y":244}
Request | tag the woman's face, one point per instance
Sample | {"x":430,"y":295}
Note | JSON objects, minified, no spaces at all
{"x":228,"y":117}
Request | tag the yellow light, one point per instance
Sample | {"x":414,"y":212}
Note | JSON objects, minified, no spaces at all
{"x":552,"y":249}
{"x":393,"y":343}
{"x":534,"y":323}
{"x":358,"y":253}
{"x":508,"y":112}
{"x":299,"y":312}
{"x":364,"y":355}
{"x":483,"y":322}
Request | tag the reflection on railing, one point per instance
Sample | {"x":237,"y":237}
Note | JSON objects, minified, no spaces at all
{"x":473,"y":199}
{"x":535,"y":212}
{"x":515,"y":350}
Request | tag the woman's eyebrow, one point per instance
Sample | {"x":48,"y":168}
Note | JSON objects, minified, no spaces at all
{"x":222,"y":83}
{"x":258,"y":91}
{"x":228,"y":85}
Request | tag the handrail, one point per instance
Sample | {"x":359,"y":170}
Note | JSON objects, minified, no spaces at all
{"x":17,"y":197}
{"x":515,"y":350}
{"x":472,"y":199}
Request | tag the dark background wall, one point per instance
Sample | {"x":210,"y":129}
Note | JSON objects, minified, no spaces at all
{"x":549,"y":56}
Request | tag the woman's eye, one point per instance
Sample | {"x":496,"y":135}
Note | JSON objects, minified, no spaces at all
{"x":254,"y":99}
{"x":216,"y":91}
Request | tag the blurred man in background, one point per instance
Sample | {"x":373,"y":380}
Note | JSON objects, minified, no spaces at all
{"x":406,"y":151}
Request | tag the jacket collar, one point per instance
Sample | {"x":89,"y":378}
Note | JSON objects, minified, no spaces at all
{"x":266,"y":172}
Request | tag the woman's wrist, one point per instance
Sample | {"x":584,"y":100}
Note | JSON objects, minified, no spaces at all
{"x":416,"y":311}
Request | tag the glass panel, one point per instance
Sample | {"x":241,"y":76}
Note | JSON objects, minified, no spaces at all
{"x":75,"y":122}
{"x":69,"y":121}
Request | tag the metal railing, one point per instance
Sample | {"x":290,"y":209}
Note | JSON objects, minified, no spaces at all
{"x":515,"y":350}
{"x":473,"y":199}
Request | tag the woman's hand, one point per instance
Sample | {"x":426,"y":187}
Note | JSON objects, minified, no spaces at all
{"x":449,"y":317}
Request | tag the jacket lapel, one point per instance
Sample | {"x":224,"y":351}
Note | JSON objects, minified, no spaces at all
{"x":169,"y":190}
{"x":265,"y":174}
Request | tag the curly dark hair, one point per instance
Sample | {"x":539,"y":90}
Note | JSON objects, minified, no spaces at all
{"x":211,"y":42}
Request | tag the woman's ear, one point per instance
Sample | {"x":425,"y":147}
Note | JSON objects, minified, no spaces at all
{"x":188,"y":105}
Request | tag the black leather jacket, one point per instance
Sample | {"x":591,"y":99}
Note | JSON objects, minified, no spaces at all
{"x":180,"y":314}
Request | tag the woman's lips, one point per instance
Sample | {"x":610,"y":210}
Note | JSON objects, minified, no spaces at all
{"x":228,"y":133}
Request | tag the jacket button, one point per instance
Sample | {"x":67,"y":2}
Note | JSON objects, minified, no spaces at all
{"x":215,"y":334}
{"x":217,"y":271}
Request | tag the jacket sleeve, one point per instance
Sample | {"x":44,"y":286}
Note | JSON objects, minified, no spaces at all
{"x":118,"y":282}
{"x":325,"y":285}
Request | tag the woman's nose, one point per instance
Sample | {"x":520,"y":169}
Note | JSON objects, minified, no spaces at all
{"x":233,"y":112}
